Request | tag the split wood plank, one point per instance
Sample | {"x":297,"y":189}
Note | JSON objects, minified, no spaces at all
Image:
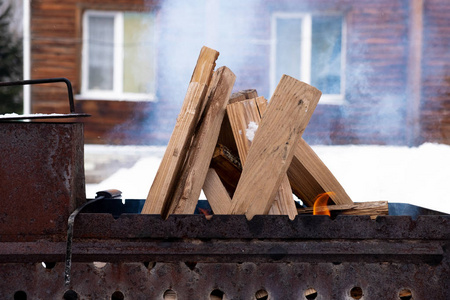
{"x":200,"y":153}
{"x":162,"y":189}
{"x":372,"y":208}
{"x":287,"y":115}
{"x":227,"y":166}
{"x":215,"y":192}
{"x":226,"y":137}
{"x":244,"y":118}
{"x":284,"y":199}
{"x":238,"y":120}
{"x":242,"y":95}
{"x":309,"y":177}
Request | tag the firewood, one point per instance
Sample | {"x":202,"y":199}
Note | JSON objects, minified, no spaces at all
{"x":238,"y":96}
{"x":243,"y":115}
{"x":226,"y":137}
{"x":284,"y":200}
{"x":242,"y":95}
{"x":225,"y":159}
{"x":227,"y":166}
{"x":200,"y":153}
{"x":272,"y":150}
{"x":373,"y":209}
{"x":215,"y":192}
{"x":309,"y":177}
{"x":162,"y":189}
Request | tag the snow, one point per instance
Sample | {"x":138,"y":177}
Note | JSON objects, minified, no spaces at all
{"x":251,"y":129}
{"x":417,"y":175}
{"x":25,"y":116}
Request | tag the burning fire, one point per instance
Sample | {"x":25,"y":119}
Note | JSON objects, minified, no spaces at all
{"x":320,"y":204}
{"x":205,"y":212}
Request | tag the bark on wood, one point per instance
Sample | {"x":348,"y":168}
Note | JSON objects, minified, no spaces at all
{"x":200,"y":153}
{"x":285,"y":120}
{"x":162,"y":188}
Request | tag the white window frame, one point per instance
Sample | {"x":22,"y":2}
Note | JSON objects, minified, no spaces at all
{"x":117,"y":92}
{"x":305,"y":53}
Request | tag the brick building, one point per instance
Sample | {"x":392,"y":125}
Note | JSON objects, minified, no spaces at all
{"x":383,"y":66}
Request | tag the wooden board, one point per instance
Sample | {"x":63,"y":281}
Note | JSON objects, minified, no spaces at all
{"x":372,"y":208}
{"x":226,"y":137}
{"x":284,"y":200}
{"x":243,"y":115}
{"x":227,"y":166}
{"x":162,"y":189}
{"x":309,"y":177}
{"x":242,"y":95}
{"x":215,"y":192}
{"x":287,"y":115}
{"x":200,"y":153}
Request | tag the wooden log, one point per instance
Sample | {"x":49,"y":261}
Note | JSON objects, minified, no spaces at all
{"x":287,"y":115}
{"x":200,"y":153}
{"x":309,"y":177}
{"x":373,"y":209}
{"x":162,"y":189}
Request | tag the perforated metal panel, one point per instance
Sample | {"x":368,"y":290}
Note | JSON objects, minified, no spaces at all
{"x":311,"y":257}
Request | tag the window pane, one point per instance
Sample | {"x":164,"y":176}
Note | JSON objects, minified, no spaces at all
{"x":139,"y":53}
{"x":101,"y":52}
{"x":326,"y":54}
{"x":288,"y":47}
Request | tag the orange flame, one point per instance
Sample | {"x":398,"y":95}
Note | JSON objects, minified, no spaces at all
{"x":205,"y":212}
{"x":320,"y":204}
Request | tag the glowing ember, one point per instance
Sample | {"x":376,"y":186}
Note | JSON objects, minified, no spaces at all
{"x":320,"y":204}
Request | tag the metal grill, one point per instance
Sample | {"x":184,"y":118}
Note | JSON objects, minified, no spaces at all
{"x":120,"y":254}
{"x":269,"y":257}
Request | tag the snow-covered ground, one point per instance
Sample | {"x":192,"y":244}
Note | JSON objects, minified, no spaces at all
{"x":418,"y":175}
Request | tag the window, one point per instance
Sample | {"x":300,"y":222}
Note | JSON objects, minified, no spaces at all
{"x":310,"y":48}
{"x":118,"y":55}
